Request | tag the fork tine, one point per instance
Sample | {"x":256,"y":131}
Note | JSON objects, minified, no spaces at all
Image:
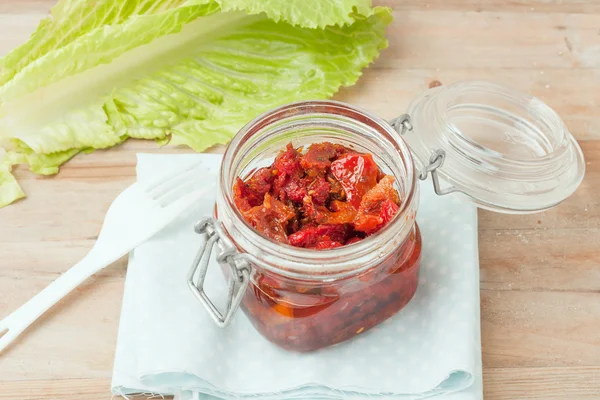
{"x":162,"y":185}
{"x":182,"y":203}
{"x":181,"y":185}
{"x":184,"y":189}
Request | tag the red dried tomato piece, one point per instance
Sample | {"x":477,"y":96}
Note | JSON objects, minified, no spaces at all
{"x":294,"y":189}
{"x":311,"y":236}
{"x":327,"y":244}
{"x":328,"y":197}
{"x":305,"y":237}
{"x":318,"y":157}
{"x":357,"y":173}
{"x":368,"y":223}
{"x":388,"y":211}
{"x":377,"y":206}
{"x":314,"y":213}
{"x":343,"y":213}
{"x":318,"y":189}
{"x":287,"y":162}
{"x":240,"y":196}
{"x":287,"y":169}
{"x":336,"y":191}
{"x":336,"y":233}
{"x":270,"y":218}
{"x":252,"y":191}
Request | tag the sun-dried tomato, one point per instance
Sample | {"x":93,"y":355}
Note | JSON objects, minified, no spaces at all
{"x":271,"y":218}
{"x":251,"y":193}
{"x":342,"y":213}
{"x":287,"y":171}
{"x":357,"y":173}
{"x":318,"y":158}
{"x":378,"y":207}
{"x":312,"y":235}
{"x":319,"y":190}
{"x":294,"y":189}
{"x":388,"y":211}
{"x":312,"y":213}
{"x":336,"y":191}
{"x":327,"y":244}
{"x":326,"y":186}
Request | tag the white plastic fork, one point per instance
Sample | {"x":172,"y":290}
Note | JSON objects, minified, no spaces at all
{"x":137,"y":214}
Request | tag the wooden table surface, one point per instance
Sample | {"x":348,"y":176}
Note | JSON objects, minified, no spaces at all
{"x":540,"y":274}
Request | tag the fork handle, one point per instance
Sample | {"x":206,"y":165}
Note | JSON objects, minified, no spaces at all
{"x":16,"y":322}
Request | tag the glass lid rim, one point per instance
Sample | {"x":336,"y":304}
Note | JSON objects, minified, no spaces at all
{"x":562,"y":169}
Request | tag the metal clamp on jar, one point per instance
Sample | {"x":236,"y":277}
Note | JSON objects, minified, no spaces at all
{"x":500,"y":149}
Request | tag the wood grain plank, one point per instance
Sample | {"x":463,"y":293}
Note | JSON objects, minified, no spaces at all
{"x":525,"y":6}
{"x":540,"y":260}
{"x":539,"y":329}
{"x":578,"y":383}
{"x":53,"y":204}
{"x":50,"y":259}
{"x":459,"y":40}
{"x":25,"y":6}
{"x":556,"y":250}
{"x":97,"y":178}
{"x":64,"y":389}
{"x":75,"y":339}
{"x":519,"y":328}
{"x":573,"y":95}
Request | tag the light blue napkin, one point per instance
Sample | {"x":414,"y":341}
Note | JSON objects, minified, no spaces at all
{"x":168,"y":344}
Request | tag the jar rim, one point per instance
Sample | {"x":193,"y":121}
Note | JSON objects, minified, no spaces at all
{"x":318,"y":264}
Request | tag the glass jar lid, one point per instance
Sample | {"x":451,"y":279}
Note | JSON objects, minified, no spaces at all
{"x":499,"y":148}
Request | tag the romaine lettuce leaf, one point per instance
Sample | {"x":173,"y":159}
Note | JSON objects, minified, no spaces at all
{"x":185,"y":72}
{"x":204,"y":99}
{"x":10,"y":190}
{"x":39,"y":163}
{"x":303,"y":13}
{"x":104,"y":45}
{"x":71,"y":19}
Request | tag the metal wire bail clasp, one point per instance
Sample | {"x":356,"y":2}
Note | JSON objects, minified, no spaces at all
{"x":227,"y":254}
{"x":402,"y":124}
{"x":435,"y":162}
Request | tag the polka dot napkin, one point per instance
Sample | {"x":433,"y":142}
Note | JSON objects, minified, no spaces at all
{"x":168,"y":344}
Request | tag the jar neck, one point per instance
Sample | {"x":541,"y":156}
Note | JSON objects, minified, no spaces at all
{"x":304,"y":123}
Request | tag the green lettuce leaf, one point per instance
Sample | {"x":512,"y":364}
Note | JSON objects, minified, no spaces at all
{"x":102,"y":46}
{"x":188,"y":73}
{"x":303,"y":13}
{"x":10,"y":190}
{"x":39,"y":163}
{"x":42,"y":164}
{"x":205,"y":99}
{"x":72,"y":19}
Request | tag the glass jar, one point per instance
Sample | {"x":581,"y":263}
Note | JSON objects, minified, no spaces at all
{"x":496,"y":147}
